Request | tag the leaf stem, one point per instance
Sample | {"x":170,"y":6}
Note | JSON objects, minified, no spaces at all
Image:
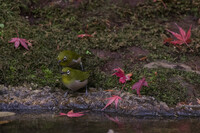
{"x":122,"y":87}
{"x":163,"y":4}
{"x":17,"y":33}
{"x":188,"y":46}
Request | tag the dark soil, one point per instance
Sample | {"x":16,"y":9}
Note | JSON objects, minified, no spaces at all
{"x":124,"y":57}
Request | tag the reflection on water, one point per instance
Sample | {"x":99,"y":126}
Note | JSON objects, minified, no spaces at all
{"x":96,"y":123}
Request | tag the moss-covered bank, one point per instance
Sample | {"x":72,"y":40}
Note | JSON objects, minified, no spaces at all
{"x":115,"y":26}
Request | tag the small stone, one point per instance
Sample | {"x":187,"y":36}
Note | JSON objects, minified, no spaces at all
{"x":110,"y":131}
{"x":164,"y":64}
{"x":37,"y":91}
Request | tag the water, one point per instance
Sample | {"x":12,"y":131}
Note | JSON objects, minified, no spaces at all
{"x":97,"y":123}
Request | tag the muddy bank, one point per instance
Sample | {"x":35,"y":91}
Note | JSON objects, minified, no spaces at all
{"x":25,"y":98}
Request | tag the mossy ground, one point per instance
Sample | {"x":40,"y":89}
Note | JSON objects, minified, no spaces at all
{"x":54,"y":28}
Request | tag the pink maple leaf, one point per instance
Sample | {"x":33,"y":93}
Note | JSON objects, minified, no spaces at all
{"x":111,"y":100}
{"x":62,"y":114}
{"x":122,"y":76}
{"x":84,"y":35}
{"x":72,"y":114}
{"x":138,"y":85}
{"x":17,"y":41}
{"x":182,"y":37}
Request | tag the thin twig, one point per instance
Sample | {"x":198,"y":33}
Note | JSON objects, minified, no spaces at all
{"x":17,"y":33}
{"x":163,"y":4}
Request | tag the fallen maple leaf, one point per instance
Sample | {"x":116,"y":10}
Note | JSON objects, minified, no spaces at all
{"x":182,"y":37}
{"x":138,"y":85}
{"x":62,"y":114}
{"x":84,"y":35}
{"x":120,"y":73}
{"x":17,"y":41}
{"x":143,"y":58}
{"x":111,"y":100}
{"x":72,"y":114}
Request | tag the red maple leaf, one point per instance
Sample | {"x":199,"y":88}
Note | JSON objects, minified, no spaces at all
{"x":17,"y":41}
{"x":120,"y":73}
{"x":111,"y":100}
{"x":72,"y":114}
{"x":182,"y":38}
{"x":138,"y":85}
{"x":84,"y":35}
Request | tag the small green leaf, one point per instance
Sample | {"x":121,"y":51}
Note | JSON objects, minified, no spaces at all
{"x":88,"y":52}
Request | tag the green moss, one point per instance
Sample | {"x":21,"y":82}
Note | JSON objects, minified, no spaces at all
{"x":116,"y":26}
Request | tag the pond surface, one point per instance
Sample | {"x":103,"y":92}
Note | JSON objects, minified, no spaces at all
{"x":96,"y":123}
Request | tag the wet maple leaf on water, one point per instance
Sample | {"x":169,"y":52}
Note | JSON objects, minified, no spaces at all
{"x":84,"y":35}
{"x":111,"y":100}
{"x":182,"y":38}
{"x":138,"y":85}
{"x":122,"y":76}
{"x":72,"y":114}
{"x":17,"y":41}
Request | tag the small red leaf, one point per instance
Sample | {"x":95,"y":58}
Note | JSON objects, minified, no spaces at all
{"x":18,"y":41}
{"x":143,"y":58}
{"x":182,"y":37}
{"x":120,"y":73}
{"x":62,"y":114}
{"x":138,"y":85}
{"x":72,"y":114}
{"x":111,"y":100}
